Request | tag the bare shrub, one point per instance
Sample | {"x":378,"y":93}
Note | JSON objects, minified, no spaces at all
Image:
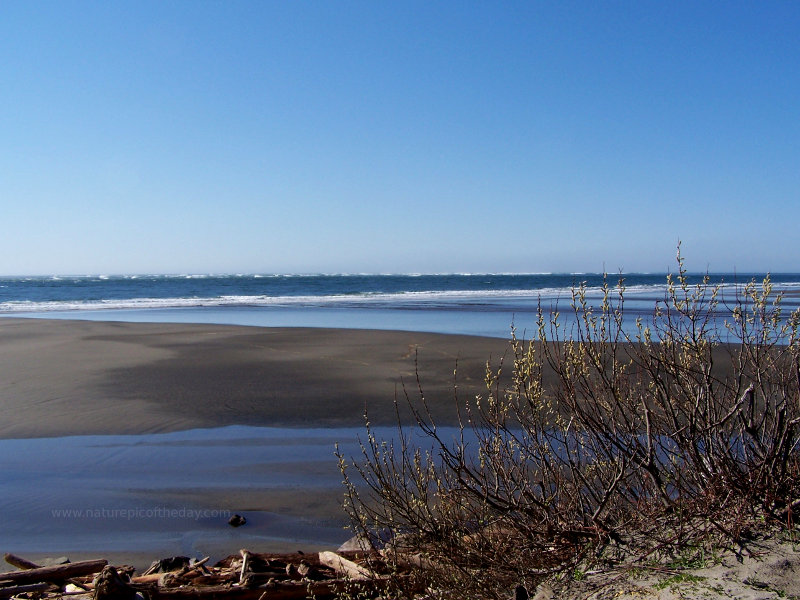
{"x":682,"y":432}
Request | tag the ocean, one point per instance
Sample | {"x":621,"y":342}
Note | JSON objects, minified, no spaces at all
{"x":476,"y":304}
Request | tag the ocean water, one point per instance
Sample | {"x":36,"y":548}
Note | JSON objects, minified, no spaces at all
{"x":479,"y":304}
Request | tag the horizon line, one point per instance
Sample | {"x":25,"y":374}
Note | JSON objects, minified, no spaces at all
{"x":200,"y":275}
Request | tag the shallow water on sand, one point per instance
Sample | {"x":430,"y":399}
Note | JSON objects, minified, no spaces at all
{"x":172,"y":493}
{"x":482,"y":323}
{"x":492,"y":321}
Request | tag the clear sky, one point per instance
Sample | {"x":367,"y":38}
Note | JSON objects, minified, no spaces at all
{"x":380,"y":136}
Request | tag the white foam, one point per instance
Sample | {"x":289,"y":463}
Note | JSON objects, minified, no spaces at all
{"x":455,"y":299}
{"x":405,"y":299}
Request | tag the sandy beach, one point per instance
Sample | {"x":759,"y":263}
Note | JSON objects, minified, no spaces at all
{"x":60,"y":377}
{"x":202,"y":417}
{"x":139,"y":385}
{"x":135,"y":441}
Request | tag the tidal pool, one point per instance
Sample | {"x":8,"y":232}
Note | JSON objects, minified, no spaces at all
{"x":172,"y":493}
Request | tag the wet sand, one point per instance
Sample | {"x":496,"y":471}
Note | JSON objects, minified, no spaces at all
{"x":60,"y":377}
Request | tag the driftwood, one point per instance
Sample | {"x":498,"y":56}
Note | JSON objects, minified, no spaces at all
{"x":165,"y":565}
{"x":25,"y":564}
{"x":19,"y":562}
{"x":343,"y":566}
{"x":36,"y":588}
{"x":245,"y":555}
{"x":109,"y":585}
{"x":57,"y":573}
{"x":246,"y":576}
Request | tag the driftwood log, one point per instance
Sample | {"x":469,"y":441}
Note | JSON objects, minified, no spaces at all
{"x":109,"y":585}
{"x":345,"y":567}
{"x":54,"y":574}
{"x":19,"y":562}
{"x":25,"y":564}
{"x":34,"y":588}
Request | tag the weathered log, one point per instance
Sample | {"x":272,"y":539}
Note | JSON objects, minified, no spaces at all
{"x":25,"y":564}
{"x":199,"y":564}
{"x":190,"y":571}
{"x":56,"y":573}
{"x":165,"y":565}
{"x":7,"y":592}
{"x":245,"y":555}
{"x":268,"y":557}
{"x":171,"y":579}
{"x":209,"y":579}
{"x":150,"y":578}
{"x":110,"y":586}
{"x":20,"y":563}
{"x":344,"y":566}
{"x":303,"y":570}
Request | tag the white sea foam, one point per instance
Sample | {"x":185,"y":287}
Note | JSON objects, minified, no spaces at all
{"x":406,"y":299}
{"x":482,"y":300}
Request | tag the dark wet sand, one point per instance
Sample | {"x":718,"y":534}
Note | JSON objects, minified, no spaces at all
{"x":60,"y":377}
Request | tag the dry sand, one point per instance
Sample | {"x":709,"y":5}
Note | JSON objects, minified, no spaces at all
{"x":60,"y":377}
{"x":767,"y":568}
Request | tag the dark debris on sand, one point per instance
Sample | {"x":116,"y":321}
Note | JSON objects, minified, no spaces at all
{"x":245,"y":576}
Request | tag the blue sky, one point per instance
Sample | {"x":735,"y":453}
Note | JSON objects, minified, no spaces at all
{"x":398,"y":136}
